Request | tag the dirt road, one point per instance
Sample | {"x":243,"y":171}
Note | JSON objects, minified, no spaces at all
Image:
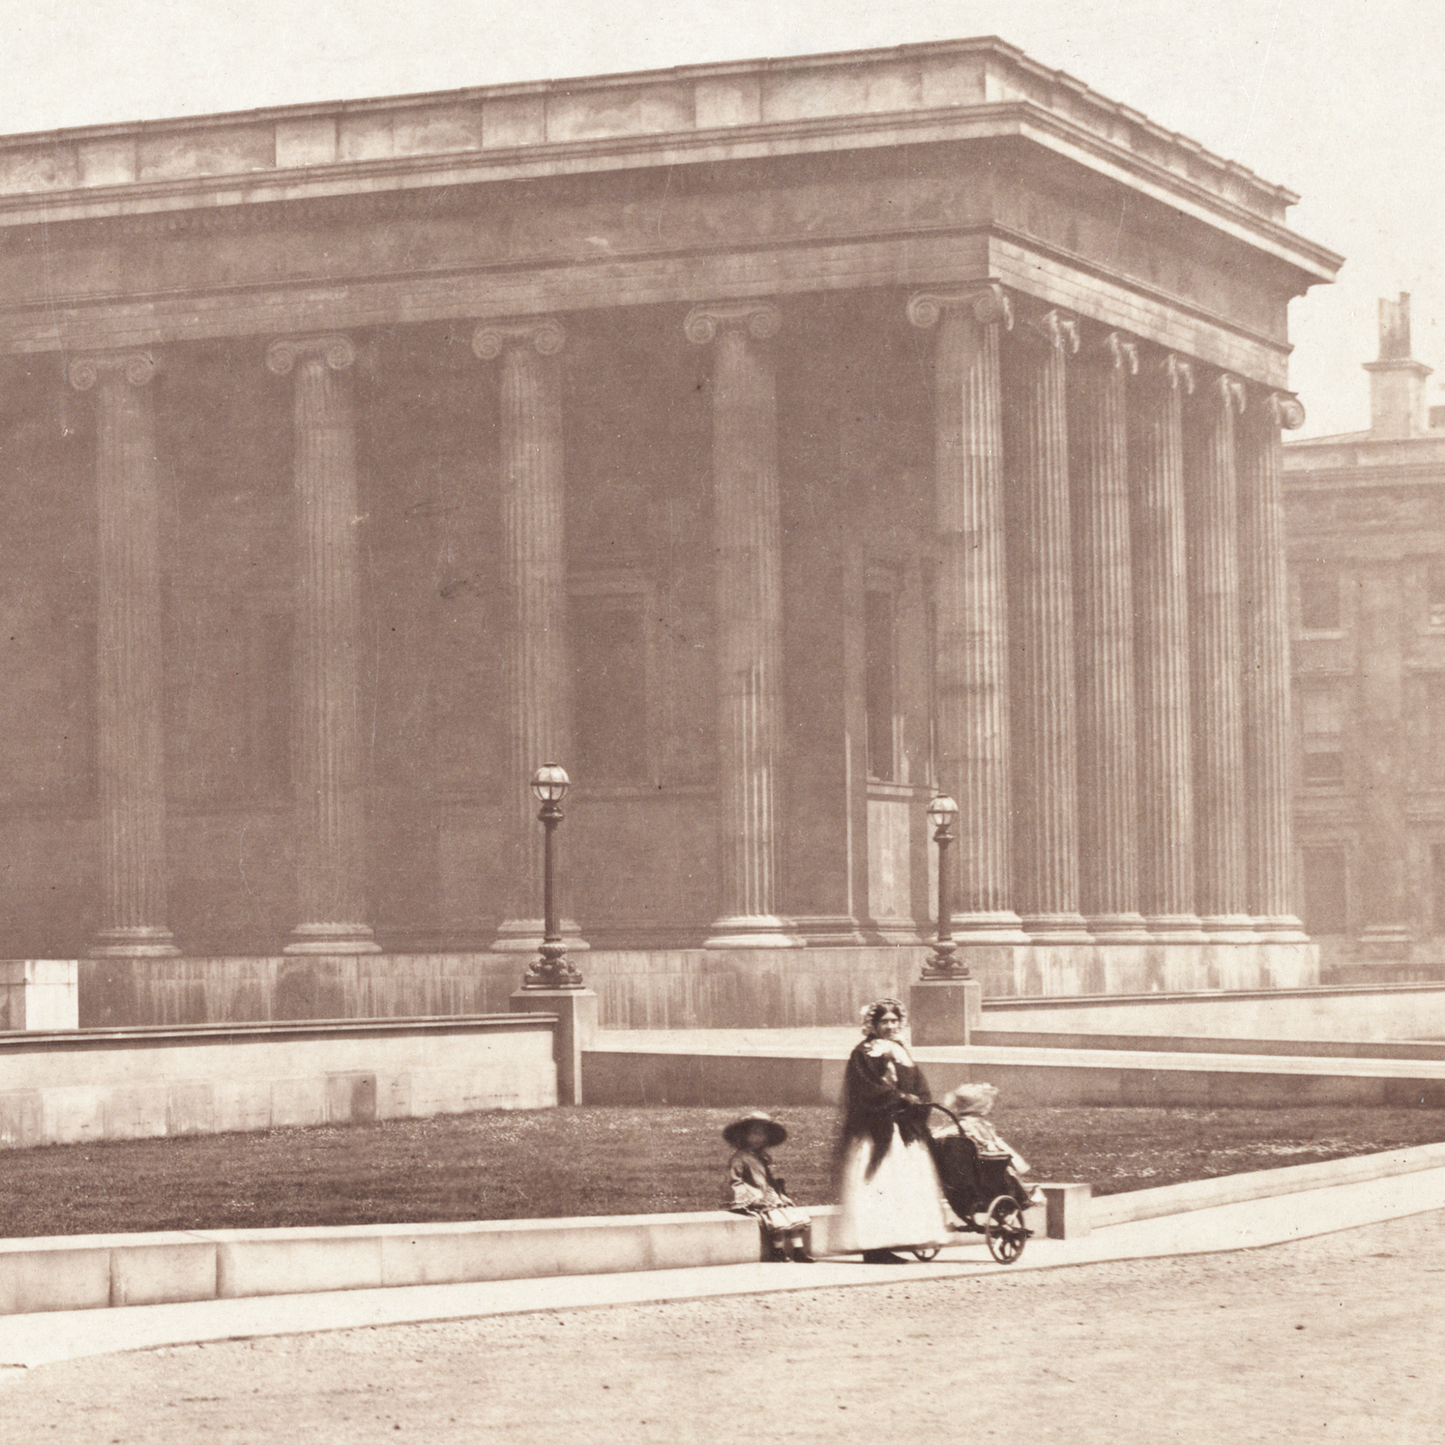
{"x":1339,"y":1338}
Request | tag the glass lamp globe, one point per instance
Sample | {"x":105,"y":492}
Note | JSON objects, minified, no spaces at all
{"x":942,"y":811}
{"x":550,"y":783}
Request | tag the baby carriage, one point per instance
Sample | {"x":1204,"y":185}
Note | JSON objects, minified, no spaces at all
{"x":983,"y":1191}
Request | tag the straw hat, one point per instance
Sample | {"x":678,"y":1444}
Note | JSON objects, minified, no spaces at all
{"x":736,"y":1133}
{"x":970,"y":1099}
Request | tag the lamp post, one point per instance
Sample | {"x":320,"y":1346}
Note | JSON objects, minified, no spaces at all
{"x":552,"y":970}
{"x":942,"y":813}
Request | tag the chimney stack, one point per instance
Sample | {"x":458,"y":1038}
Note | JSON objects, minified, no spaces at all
{"x":1397,"y":381}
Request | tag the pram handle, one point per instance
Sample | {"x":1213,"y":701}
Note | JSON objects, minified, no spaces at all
{"x":957,"y":1121}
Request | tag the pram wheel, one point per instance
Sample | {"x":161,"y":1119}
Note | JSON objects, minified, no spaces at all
{"x":925,"y":1254}
{"x":1004,"y":1230}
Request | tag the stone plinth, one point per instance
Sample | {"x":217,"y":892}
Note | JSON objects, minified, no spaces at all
{"x":576,"y":1013}
{"x":944,"y":1011}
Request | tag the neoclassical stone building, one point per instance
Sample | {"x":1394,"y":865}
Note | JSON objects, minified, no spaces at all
{"x":1366,"y":541}
{"x":769,"y":443}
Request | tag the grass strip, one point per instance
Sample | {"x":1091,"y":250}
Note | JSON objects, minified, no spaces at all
{"x":553,"y":1163}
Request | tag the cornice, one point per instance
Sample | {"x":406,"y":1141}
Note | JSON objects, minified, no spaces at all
{"x":1098,"y":149}
{"x":993,"y":56}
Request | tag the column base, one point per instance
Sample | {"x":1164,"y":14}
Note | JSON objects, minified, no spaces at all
{"x":1175,"y":928}
{"x":144,"y":941}
{"x":1280,"y":928}
{"x":753,"y":930}
{"x":1117,"y":928}
{"x":979,"y":928}
{"x":1056,"y":928}
{"x":1228,"y":928}
{"x":524,"y":935}
{"x":332,"y":938}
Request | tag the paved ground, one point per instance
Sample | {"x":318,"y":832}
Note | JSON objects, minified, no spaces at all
{"x":1337,"y":1337}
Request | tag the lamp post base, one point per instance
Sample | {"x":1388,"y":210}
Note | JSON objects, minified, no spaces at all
{"x":576,"y":1010}
{"x":944,"y":1011}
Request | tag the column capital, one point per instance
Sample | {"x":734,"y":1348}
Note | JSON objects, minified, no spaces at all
{"x":989,"y":302}
{"x":337,"y":352}
{"x":1055,"y":328}
{"x":138,"y":367}
{"x":1231,"y":392}
{"x":1122,"y":352}
{"x":761,"y":319}
{"x":1285,"y":409}
{"x":545,"y":333}
{"x":1178,"y":373}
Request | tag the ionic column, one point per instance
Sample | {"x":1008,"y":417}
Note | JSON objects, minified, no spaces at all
{"x":1166,"y":779}
{"x":1216,"y":659}
{"x":1108,"y":751}
{"x":749,"y":643}
{"x":330,"y":806}
{"x":1041,"y":632}
{"x":131,"y":744}
{"x":971,"y":603}
{"x":1266,"y":667}
{"x":538,"y":679}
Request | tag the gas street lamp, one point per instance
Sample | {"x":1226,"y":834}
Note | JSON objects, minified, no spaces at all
{"x":943,"y":813}
{"x":552,"y":970}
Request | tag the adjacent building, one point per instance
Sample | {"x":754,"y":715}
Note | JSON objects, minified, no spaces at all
{"x":1367,"y":559}
{"x":771,"y":444}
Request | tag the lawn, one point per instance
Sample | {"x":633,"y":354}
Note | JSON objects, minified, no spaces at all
{"x":559,"y":1162}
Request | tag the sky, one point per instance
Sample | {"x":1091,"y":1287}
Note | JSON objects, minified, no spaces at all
{"x":1339,"y":100}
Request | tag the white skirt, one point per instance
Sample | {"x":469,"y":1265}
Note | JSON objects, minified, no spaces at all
{"x":899,"y":1207}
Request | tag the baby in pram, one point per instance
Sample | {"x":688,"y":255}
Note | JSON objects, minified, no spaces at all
{"x":1000,"y":1167}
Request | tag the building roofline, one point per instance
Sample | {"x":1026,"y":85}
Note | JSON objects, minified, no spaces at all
{"x":1059,"y":92}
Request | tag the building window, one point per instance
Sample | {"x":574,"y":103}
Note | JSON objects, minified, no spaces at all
{"x":1322,"y":724}
{"x":880,"y":649}
{"x":609,"y":697}
{"x":1326,"y":880}
{"x":1319,"y":598}
{"x":1435,"y":593}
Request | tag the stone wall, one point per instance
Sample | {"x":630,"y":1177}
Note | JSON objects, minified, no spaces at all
{"x":137,"y":1084}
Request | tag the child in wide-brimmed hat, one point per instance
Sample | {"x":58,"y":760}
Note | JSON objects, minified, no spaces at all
{"x":753,"y":1188}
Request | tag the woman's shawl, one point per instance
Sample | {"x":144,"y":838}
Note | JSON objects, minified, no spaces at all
{"x":878,"y":1076}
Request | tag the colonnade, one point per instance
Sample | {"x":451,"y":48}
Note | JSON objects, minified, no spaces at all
{"x":1110,"y":653}
{"x":1110,"y":562}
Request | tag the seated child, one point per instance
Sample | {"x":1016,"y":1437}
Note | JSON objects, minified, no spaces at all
{"x":753,"y":1188}
{"x":973,"y":1103}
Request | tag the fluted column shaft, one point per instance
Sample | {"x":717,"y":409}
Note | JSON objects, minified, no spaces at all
{"x":1166,"y":781}
{"x":1216,"y":660}
{"x":537,"y":672}
{"x":748,"y":618}
{"x":1041,"y":632}
{"x":1108,"y":752}
{"x":1267,"y":667}
{"x":330,"y":804}
{"x":971,"y":605}
{"x":131,"y":743}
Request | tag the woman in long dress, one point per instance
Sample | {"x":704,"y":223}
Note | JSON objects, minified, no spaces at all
{"x":888,"y":1191}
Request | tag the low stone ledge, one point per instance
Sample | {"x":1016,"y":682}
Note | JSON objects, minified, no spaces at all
{"x":1140,"y":1204}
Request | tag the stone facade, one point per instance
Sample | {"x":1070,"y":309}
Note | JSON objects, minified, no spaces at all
{"x":769,"y":443}
{"x":1366,"y":526}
